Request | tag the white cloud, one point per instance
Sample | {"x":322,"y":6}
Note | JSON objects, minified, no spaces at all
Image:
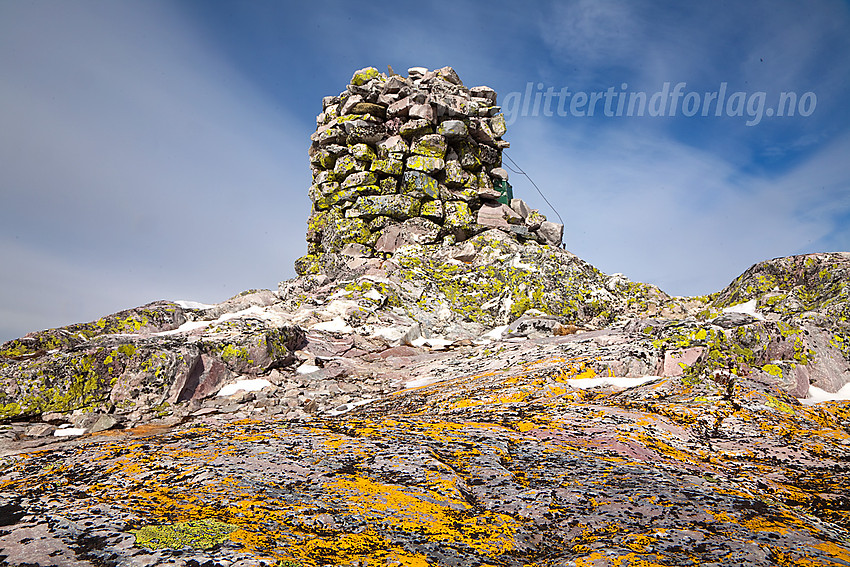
{"x":134,"y":152}
{"x":671,"y":214}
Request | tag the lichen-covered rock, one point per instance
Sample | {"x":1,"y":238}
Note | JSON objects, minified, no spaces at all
{"x":425,"y":164}
{"x":433,"y":145}
{"x":151,"y":318}
{"x":340,"y":231}
{"x":396,"y":206}
{"x":427,"y":136}
{"x":139,"y":369}
{"x":419,"y":184}
{"x":452,"y":129}
{"x":458,"y":215}
{"x":363,"y":76}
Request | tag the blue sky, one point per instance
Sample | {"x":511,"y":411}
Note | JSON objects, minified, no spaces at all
{"x":157,"y":150}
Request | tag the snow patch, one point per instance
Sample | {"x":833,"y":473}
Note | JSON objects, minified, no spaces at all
{"x":423,"y":381}
{"x":748,"y":308}
{"x":345,"y":408}
{"x":336,"y":325}
{"x":253,"y":310}
{"x":494,"y":334}
{"x":306,"y":369}
{"x":434,"y":343}
{"x":69,"y":431}
{"x":186,"y":327}
{"x":246,"y":385}
{"x":189,"y":326}
{"x":517,"y":263}
{"x":602,"y":381}
{"x":817,"y":395}
{"x":192,"y":304}
{"x":374,"y":295}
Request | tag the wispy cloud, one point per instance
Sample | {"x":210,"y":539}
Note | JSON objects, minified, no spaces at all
{"x":130,"y":149}
{"x":667,"y":213}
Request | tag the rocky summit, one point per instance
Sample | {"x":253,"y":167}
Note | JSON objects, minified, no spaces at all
{"x":441,"y":385}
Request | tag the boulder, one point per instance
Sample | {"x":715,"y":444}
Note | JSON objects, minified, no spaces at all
{"x":552,"y":233}
{"x":452,"y":129}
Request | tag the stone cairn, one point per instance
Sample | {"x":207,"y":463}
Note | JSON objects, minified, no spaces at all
{"x":411,"y":160}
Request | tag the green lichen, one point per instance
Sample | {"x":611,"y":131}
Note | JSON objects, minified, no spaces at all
{"x":773,"y":370}
{"x":779,"y":404}
{"x":231,"y":353}
{"x":197,"y":534}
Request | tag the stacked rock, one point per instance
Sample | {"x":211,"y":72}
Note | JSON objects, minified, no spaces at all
{"x":411,"y":160}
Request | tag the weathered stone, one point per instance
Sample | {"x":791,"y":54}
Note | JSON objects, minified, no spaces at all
{"x":450,"y":75}
{"x":423,"y":111}
{"x":489,"y":156}
{"x":104,"y":422}
{"x":534,"y":219}
{"x":485,"y":184}
{"x":521,"y":208}
{"x":677,"y":361}
{"x":425,"y":164}
{"x":432,"y":210}
{"x":388,"y":99}
{"x":390,"y":166}
{"x":416,"y":127}
{"x":396,"y":206}
{"x":419,"y":184}
{"x":454,"y":173}
{"x":355,"y":250}
{"x":400,"y":107}
{"x":468,"y":195}
{"x":349,"y":103}
{"x":484,"y":92}
{"x":450,"y":105}
{"x":394,"y":84}
{"x":363,"y":76}
{"x":452,"y":129}
{"x":519,"y":230}
{"x":458,"y":215}
{"x":421,"y":230}
{"x":365,"y":132}
{"x":413,"y":231}
{"x":495,"y":216}
{"x":347,"y":164}
{"x":388,"y":186}
{"x":40,"y":430}
{"x":393,"y":145}
{"x":340,"y":197}
{"x":499,"y":173}
{"x":362,"y":152}
{"x":358,"y":179}
{"x":341,"y":231}
{"x":430,"y":145}
{"x":323,"y":159}
{"x":497,"y":125}
{"x":480,"y":131}
{"x":378,"y":224}
{"x":329,"y":135}
{"x":468,"y":156}
{"x":466,"y":253}
{"x":552,"y":232}
{"x":378,"y":110}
